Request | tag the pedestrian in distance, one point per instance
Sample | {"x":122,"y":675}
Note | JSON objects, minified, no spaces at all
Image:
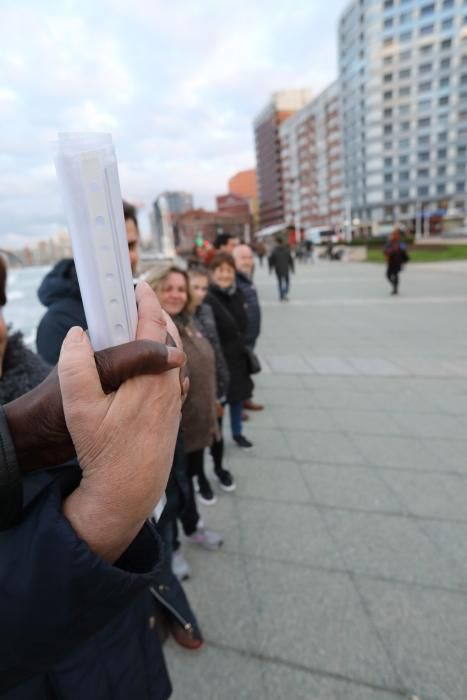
{"x":282,"y":263}
{"x":396,"y":256}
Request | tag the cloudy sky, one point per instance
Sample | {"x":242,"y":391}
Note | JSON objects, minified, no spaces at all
{"x":177,"y":83}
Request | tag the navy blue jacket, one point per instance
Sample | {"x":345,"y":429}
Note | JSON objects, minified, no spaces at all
{"x":253,"y":309}
{"x":59,"y":291}
{"x":72,"y":625}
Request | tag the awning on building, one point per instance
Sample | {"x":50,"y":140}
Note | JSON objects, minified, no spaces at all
{"x":270,"y":230}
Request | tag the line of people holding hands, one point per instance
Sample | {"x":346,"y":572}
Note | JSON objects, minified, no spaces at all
{"x":92,"y":445}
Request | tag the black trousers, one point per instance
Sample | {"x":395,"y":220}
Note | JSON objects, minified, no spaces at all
{"x":217,"y":448}
{"x":393,"y":276}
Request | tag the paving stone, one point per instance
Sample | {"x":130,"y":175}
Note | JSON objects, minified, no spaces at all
{"x":289,"y":364}
{"x":315,"y":619}
{"x":350,"y":487}
{"x":332,"y":448}
{"x":366,"y":422}
{"x":283,"y":682}
{"x":331,"y":365}
{"x":213,"y":673}
{"x":391,"y":547}
{"x":425,"y":632}
{"x":430,"y":426}
{"x":272,"y":480}
{"x":398,"y":452}
{"x":310,"y":419}
{"x":375,"y":366}
{"x":266,"y":528}
{"x":429,"y":495}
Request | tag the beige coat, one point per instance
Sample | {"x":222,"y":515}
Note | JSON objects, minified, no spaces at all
{"x":199,"y":420}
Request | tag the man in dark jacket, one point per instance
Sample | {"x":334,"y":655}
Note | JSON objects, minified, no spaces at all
{"x":244,"y":262}
{"x":59,"y":292}
{"x":282,"y":262}
{"x":396,"y":256}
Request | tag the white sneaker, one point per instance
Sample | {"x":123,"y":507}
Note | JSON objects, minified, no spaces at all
{"x":180,"y":566}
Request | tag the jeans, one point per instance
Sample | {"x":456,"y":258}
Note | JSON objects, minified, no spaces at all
{"x":283,"y":282}
{"x":236,"y":410}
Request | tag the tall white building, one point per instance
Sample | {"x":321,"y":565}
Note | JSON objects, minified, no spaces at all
{"x":403,"y":77}
{"x":311,"y":154}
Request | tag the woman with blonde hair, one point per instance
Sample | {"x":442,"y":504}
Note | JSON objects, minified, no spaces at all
{"x":199,"y":419}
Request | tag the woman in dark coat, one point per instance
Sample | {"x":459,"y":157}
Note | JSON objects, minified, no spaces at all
{"x":228,"y":305}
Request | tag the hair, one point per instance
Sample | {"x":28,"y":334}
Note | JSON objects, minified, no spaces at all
{"x":198,"y":270}
{"x":222,"y":259}
{"x":159,"y":274}
{"x":129,"y":213}
{"x":3,"y":277}
{"x":222,"y":239}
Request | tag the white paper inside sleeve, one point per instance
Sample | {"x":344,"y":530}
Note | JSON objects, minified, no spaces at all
{"x":87,"y":171}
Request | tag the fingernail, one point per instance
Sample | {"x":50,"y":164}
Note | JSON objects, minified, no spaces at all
{"x":176,"y":357}
{"x":74,"y":335}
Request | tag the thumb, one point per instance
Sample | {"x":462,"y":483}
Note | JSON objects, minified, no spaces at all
{"x":79,"y":380}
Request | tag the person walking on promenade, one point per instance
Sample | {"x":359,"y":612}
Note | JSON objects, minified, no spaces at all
{"x":282,"y":263}
{"x":229,"y":308}
{"x":396,"y":256}
{"x":244,"y":263}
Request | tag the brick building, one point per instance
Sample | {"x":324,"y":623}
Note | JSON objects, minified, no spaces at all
{"x":268,"y":152}
{"x":207,"y":224}
{"x":312,"y":167}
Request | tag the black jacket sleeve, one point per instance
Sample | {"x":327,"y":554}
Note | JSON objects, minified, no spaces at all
{"x":11,"y":487}
{"x":55,"y":593}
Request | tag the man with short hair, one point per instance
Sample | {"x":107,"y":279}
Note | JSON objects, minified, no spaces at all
{"x":244,"y":263}
{"x":59,"y":292}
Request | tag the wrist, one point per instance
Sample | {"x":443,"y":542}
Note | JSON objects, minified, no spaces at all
{"x":108,"y":531}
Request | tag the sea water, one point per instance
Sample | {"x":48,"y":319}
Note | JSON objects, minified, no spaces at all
{"x":23,"y":310}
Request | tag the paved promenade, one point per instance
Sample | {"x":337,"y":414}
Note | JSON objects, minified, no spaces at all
{"x":344,"y":570}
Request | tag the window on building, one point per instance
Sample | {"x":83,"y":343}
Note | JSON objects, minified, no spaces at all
{"x":388,"y":22}
{"x":460,"y":168}
{"x":388,"y":178}
{"x":427,"y":30}
{"x":425,"y":86}
{"x":404,"y":91}
{"x":442,"y":153}
{"x":443,"y":101}
{"x":405,"y":37}
{"x":404,"y":175}
{"x":446,"y":44}
{"x":405,"y":73}
{"x":424,"y":140}
{"x":405,"y":126}
{"x":387,"y":60}
{"x":388,"y":3}
{"x":442,"y":136}
{"x":424,"y":122}
{"x":388,"y":41}
{"x":448,"y":3}
{"x":446,"y":63}
{"x":403,"y":194}
{"x":423,"y":191}
{"x":441,"y":170}
{"x":440,"y":188}
{"x":404,"y":109}
{"x":460,"y":187}
{"x":387,"y":77}
{"x":387,"y":112}
{"x":403,"y":160}
{"x":425,"y":68}
{"x":461,"y":151}
{"x":423,"y":172}
{"x":444,"y":82}
{"x":405,"y":55}
{"x":405,"y":17}
{"x":388,"y":129}
{"x":388,"y":95}
{"x":404,"y":143}
{"x":388,"y":162}
{"x":427,"y":49}
{"x":388,"y":212}
{"x":388,"y":195}
{"x":423,"y":156}
{"x":427,"y":10}
{"x":463,"y":80}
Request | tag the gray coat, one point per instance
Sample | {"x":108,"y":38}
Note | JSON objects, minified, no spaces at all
{"x":205,"y":321}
